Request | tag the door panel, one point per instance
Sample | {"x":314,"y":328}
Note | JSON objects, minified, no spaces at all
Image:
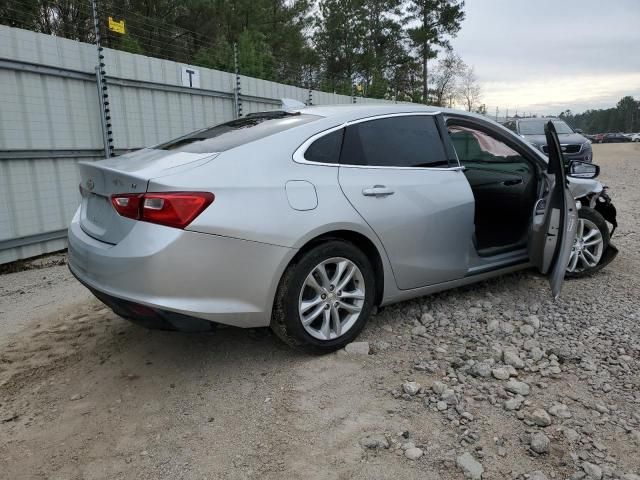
{"x":423,"y":217}
{"x":555,"y":219}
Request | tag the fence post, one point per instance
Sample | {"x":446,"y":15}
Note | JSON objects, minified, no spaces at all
{"x":103,"y":92}
{"x":236,"y":91}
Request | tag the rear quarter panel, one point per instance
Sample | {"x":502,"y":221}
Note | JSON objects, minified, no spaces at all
{"x":249,"y":184}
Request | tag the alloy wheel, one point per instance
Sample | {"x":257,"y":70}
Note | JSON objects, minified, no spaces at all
{"x":331,"y":298}
{"x":587,"y":247}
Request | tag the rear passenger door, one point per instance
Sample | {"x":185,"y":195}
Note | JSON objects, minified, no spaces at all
{"x":408,"y":186}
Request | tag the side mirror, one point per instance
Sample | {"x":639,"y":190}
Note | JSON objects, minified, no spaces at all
{"x":579,"y":169}
{"x":578,"y":130}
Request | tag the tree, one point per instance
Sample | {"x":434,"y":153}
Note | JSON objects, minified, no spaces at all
{"x":469,"y":90}
{"x":445,"y":79}
{"x":437,"y":21}
{"x":624,"y":117}
{"x":338,"y":40}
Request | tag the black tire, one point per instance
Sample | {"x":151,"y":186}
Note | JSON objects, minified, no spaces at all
{"x":600,"y":222}
{"x":285,"y":319}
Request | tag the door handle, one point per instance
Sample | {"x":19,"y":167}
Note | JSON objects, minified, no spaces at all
{"x":377,"y":191}
{"x":509,"y":183}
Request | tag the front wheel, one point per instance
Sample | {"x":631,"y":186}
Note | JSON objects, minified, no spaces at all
{"x":324,"y":298}
{"x":592,"y":240}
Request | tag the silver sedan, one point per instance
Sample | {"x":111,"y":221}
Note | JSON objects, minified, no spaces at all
{"x":307,"y":220}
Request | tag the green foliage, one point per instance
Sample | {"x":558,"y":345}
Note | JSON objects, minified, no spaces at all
{"x":332,"y":45}
{"x":624,"y":117}
{"x":129,"y":44}
{"x":437,"y":21}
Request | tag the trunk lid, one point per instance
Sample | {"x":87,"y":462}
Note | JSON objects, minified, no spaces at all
{"x":128,"y":173}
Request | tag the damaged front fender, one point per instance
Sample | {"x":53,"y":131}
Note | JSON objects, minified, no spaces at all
{"x":605,"y":208}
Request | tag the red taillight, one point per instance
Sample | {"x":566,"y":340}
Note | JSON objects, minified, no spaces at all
{"x":173,"y":209}
{"x":127,"y":204}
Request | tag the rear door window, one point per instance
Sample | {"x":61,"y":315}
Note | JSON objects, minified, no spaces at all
{"x":237,"y":132}
{"x":402,"y":141}
{"x":325,"y":149}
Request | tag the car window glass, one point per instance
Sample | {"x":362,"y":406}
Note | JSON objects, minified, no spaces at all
{"x":325,"y":149}
{"x":479,"y":150}
{"x":404,"y":141}
{"x":237,"y":132}
{"x":536,"y":127}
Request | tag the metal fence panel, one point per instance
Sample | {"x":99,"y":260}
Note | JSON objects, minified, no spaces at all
{"x":50,"y":119}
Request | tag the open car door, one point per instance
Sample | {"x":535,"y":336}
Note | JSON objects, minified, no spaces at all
{"x":554,"y":219}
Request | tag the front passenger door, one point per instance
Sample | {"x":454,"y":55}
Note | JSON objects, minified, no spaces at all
{"x":554,"y":225}
{"x":397,"y":174}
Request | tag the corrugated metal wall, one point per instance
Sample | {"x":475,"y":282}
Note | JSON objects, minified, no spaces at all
{"x":50,"y":120}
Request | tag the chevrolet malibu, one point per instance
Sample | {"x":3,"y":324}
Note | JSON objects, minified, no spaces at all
{"x":308,"y":220}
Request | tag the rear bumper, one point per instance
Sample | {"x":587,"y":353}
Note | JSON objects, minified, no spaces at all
{"x":210,"y":277}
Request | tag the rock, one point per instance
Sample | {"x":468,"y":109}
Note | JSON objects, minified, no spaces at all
{"x":441,"y":406}
{"x":630,"y":476}
{"x":511,"y":357}
{"x":601,"y":408}
{"x":374,"y":441}
{"x":514,"y":403}
{"x":449,"y":396}
{"x":411,"y":388}
{"x":419,"y":330}
{"x":507,"y":328}
{"x":540,"y":443}
{"x":534,"y":321}
{"x":519,"y":388}
{"x":413,"y":453}
{"x":571,"y":435}
{"x":536,"y":354}
{"x":438,"y":388}
{"x":527,"y":330}
{"x":357,"y":348}
{"x":593,"y":471}
{"x":539,"y":417}
{"x":537,"y":475}
{"x":501,"y":373}
{"x":493,"y":325}
{"x":407,"y":445}
{"x":481,"y":369}
{"x":560,"y":410}
{"x":471,"y":468}
{"x":427,"y":319}
{"x":75,"y":397}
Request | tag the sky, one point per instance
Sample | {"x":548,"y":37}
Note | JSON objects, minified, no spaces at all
{"x":546,"y":56}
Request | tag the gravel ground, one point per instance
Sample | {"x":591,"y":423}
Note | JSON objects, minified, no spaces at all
{"x":491,"y":381}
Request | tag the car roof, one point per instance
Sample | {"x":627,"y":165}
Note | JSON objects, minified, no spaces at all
{"x":537,"y":119}
{"x":354,"y":111}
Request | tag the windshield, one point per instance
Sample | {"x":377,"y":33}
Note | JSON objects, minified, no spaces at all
{"x":536,"y":127}
{"x":237,"y":132}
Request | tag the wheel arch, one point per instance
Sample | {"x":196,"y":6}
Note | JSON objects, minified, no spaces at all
{"x":359,"y":240}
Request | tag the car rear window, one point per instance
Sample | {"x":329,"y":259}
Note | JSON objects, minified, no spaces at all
{"x":404,"y":141}
{"x":237,"y":132}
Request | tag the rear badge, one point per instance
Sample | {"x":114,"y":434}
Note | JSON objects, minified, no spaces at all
{"x":90,"y":184}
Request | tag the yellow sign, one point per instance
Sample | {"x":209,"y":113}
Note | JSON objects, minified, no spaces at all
{"x":117,"y":27}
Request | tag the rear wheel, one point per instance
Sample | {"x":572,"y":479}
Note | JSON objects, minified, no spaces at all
{"x":324,"y":298}
{"x":592,"y":239}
